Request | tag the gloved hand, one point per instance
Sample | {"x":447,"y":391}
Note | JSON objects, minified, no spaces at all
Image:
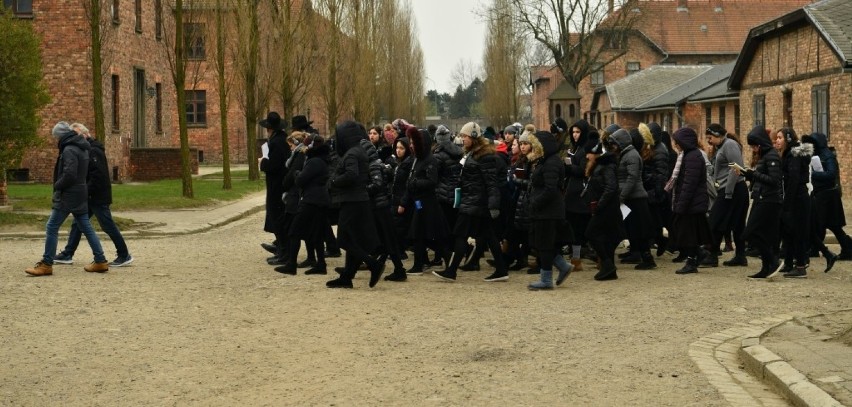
{"x":494,"y":213}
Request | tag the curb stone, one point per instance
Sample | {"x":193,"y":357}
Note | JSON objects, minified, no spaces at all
{"x":747,"y":374}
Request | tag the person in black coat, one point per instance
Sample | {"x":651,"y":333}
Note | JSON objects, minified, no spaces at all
{"x":70,"y":197}
{"x":605,"y":230}
{"x":428,"y":224}
{"x":274,"y":167}
{"x":100,"y":198}
{"x":690,"y":200}
{"x":479,"y":203}
{"x":827,"y":207}
{"x":796,"y":206}
{"x":547,"y":209}
{"x":448,"y":155}
{"x":655,"y":174}
{"x":402,"y":169}
{"x":291,"y":197}
{"x":762,"y":229}
{"x":311,"y":219}
{"x":356,"y":230}
{"x":381,"y":177}
{"x":576,"y":211}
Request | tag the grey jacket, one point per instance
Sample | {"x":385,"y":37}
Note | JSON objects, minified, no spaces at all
{"x":728,"y":152}
{"x":629,"y":168}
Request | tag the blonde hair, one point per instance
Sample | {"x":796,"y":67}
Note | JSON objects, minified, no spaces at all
{"x":80,"y":129}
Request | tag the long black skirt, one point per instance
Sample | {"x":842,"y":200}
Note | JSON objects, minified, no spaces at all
{"x":356,"y":228}
{"x":764,"y":224}
{"x":428,"y":221}
{"x":578,"y":223}
{"x":689,"y":230}
{"x":545,"y":234}
{"x":726,"y":214}
{"x":387,"y":231}
{"x":639,"y":224}
{"x":309,"y":223}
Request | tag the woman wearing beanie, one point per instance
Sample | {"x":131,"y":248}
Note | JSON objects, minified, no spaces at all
{"x":728,"y":214}
{"x":690,"y":200}
{"x":796,"y":206}
{"x":763,"y":226}
{"x":518,"y":237}
{"x":605,"y":229}
{"x":356,"y":232}
{"x":633,"y":195}
{"x":479,"y":203}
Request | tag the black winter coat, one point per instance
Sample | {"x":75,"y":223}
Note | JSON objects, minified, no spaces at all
{"x":827,"y":178}
{"x":294,"y":165}
{"x":602,"y":194}
{"x":766,"y":178}
{"x":98,"y":179}
{"x":795,"y":166}
{"x":400,"y":180}
{"x":381,"y":177}
{"x":448,"y":155}
{"x":689,"y":195}
{"x":479,"y":182}
{"x":275,"y":171}
{"x":655,"y":174}
{"x":548,"y":173}
{"x":522,"y":204}
{"x":349,"y":182}
{"x":312,"y":180}
{"x":70,"y":193}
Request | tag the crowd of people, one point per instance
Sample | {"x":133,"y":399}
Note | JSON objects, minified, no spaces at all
{"x":533,"y":197}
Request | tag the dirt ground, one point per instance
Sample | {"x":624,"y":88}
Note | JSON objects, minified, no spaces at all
{"x":202,"y":320}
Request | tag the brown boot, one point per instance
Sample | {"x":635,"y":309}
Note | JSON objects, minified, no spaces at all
{"x":578,"y":264}
{"x":96,"y":267}
{"x":40,"y":269}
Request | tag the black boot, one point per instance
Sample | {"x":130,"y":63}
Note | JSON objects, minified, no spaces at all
{"x":607,"y":271}
{"x":397,"y":275}
{"x":691,"y":266}
{"x":287,"y":268}
{"x":681,"y":257}
{"x":845,"y":247}
{"x":662,"y":243}
{"x":376,"y":270}
{"x":736,"y":261}
{"x":632,"y":257}
{"x":708,"y":259}
{"x":830,"y":259}
{"x":647,"y":262}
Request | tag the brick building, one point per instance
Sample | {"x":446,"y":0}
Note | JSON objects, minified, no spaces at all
{"x":796,"y":71}
{"x":673,"y":32}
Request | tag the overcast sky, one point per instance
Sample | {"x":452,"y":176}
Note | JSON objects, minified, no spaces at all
{"x":450,"y":31}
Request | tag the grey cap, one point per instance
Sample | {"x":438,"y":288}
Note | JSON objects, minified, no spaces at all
{"x":61,"y":129}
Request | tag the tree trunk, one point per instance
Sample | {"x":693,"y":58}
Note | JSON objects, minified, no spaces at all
{"x":251,"y":96}
{"x":223,"y":97}
{"x":97,"y":70}
{"x":180,"y":84}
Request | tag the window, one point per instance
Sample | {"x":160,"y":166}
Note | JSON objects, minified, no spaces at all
{"x":116,"y":105}
{"x":158,"y":19}
{"x":819,"y":109}
{"x":632,"y":67}
{"x":737,"y":118}
{"x":193,"y":36}
{"x":788,"y":108}
{"x":138,"y":7}
{"x":597,"y":75}
{"x":614,"y":39}
{"x":571,"y":111}
{"x":722,"y":115}
{"x":759,"y":110}
{"x":159,"y":108}
{"x":558,"y":110}
{"x":196,"y":107}
{"x":708,"y":116}
{"x":20,"y":7}
{"x":116,"y":6}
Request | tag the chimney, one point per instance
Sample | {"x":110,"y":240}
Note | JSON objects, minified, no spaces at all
{"x":681,"y":5}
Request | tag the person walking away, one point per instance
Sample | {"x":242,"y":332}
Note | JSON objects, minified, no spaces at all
{"x":311,"y":219}
{"x":99,"y":188}
{"x":827,"y":207}
{"x":291,"y":197}
{"x":728,"y":214}
{"x":796,"y":204}
{"x":763,"y":225}
{"x":273,"y":165}
{"x":70,"y":197}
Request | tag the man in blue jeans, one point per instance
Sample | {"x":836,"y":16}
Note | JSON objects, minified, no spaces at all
{"x":100,"y":198}
{"x":70,"y":197}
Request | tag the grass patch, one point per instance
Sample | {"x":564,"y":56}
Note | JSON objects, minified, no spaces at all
{"x":165,"y":194}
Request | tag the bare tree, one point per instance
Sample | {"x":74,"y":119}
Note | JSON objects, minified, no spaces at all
{"x":177,"y":65}
{"x":581,"y":35}
{"x":224,"y":16}
{"x":504,"y":62}
{"x":464,"y":73}
{"x":100,"y":38}
{"x":293,"y":29}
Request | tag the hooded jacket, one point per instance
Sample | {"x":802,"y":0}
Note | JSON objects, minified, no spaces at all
{"x":629,"y":167}
{"x":827,"y":178}
{"x":424,"y":170}
{"x":766,"y":178}
{"x":656,"y":170}
{"x":448,"y":155}
{"x":795,"y":166}
{"x":478,"y":181}
{"x":576,"y":171}
{"x":548,"y":173}
{"x":689,"y":195}
{"x":314,"y":176}
{"x":401,"y":173}
{"x":350,"y":179}
{"x":98,"y":179}
{"x":70,"y":193}
{"x":381,"y":177}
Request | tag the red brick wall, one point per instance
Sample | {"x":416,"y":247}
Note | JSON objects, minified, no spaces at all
{"x":151,"y":164}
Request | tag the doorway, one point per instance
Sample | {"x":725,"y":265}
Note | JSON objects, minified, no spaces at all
{"x":139,"y":92}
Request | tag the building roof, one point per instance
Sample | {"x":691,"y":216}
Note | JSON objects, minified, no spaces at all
{"x":716,"y":92}
{"x":564,"y":91}
{"x":673,"y":97}
{"x":642,"y":88}
{"x":706,"y":26}
{"x":831,"y":18}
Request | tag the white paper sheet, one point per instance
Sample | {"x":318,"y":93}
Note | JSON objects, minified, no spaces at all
{"x":624,"y":211}
{"x":816,"y":164}
{"x":265,"y":150}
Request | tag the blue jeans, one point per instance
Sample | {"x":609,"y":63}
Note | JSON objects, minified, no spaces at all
{"x":104,"y":216}
{"x":57,"y":217}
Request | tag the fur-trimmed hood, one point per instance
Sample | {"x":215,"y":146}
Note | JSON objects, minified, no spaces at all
{"x":802,"y":150}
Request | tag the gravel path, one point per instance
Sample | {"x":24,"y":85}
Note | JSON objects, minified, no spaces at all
{"x":201,"y":320}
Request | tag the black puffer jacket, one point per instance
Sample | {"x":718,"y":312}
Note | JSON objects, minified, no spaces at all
{"x":97,"y":179}
{"x":690,"y":189}
{"x":448,"y":155}
{"x":294,"y":165}
{"x":381,"y":176}
{"x":350,"y":179}
{"x":629,"y":167}
{"x":70,"y":193}
{"x":547,"y":175}
{"x":576,"y":171}
{"x":401,"y":173}
{"x":795,"y":167}
{"x":423,"y":179}
{"x":766,"y":178}
{"x":522,"y":202}
{"x":827,"y":178}
{"x":314,"y":176}
{"x":655,"y":171}
{"x":478,"y":182}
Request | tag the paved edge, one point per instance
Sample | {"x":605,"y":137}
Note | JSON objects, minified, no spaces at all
{"x":746,"y":373}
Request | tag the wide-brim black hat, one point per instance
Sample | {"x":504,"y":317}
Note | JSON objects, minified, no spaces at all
{"x":273,"y":121}
{"x":301,"y":123}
